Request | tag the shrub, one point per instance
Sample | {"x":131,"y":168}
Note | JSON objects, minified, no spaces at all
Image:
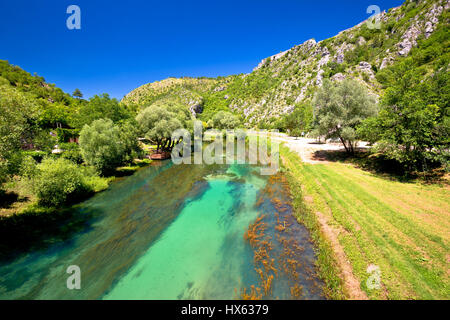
{"x":71,"y":152}
{"x":58,"y":181}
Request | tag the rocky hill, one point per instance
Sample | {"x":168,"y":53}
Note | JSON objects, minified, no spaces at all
{"x":290,"y":78}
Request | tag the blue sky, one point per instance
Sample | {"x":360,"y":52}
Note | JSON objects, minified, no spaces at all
{"x":124,"y":44}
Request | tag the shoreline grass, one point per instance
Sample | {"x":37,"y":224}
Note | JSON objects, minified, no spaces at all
{"x":326,"y":260}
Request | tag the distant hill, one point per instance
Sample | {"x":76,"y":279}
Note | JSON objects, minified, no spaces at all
{"x":290,"y":78}
{"x":35,"y":85}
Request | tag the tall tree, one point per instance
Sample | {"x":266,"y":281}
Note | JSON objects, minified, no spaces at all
{"x":100,"y":107}
{"x":105,"y":146}
{"x":413,"y":126}
{"x":77,"y":94}
{"x":17,"y":123}
{"x":340,"y":108}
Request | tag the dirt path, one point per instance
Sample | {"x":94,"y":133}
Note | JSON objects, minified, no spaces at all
{"x":309,"y":152}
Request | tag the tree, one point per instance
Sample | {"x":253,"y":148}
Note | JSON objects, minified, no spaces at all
{"x":77,"y":94}
{"x":413,"y":126}
{"x":158,"y":121}
{"x":54,"y":115}
{"x":105,"y":146}
{"x":17,"y":120}
{"x":299,"y":120}
{"x":129,"y":134}
{"x":101,"y":107}
{"x":340,"y":108}
{"x":223,"y":120}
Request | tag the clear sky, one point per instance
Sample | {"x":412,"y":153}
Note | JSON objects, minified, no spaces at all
{"x":124,"y":44}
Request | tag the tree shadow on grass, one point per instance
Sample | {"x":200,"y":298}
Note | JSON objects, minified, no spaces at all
{"x":381,"y":166}
{"x":7,"y":199}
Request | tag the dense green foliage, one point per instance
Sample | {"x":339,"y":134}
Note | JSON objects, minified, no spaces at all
{"x":55,"y":182}
{"x":17,"y":125}
{"x":223,"y":120}
{"x":413,"y":126}
{"x":298,"y":122}
{"x":100,"y":107}
{"x":36,"y":115}
{"x":340,"y":108}
{"x":35,"y":85}
{"x":158,"y":121}
{"x":105,"y":145}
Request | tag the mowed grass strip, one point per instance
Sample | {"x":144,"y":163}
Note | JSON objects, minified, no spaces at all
{"x":403,"y":228}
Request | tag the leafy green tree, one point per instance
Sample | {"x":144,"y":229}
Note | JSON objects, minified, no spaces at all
{"x":54,"y":115}
{"x":413,"y":126}
{"x":17,"y":118}
{"x":129,"y":133}
{"x":300,"y":120}
{"x":340,"y":108}
{"x":104,"y":145}
{"x":71,"y":152}
{"x":77,"y":94}
{"x":101,"y":107}
{"x":158,"y":121}
{"x":223,"y":120}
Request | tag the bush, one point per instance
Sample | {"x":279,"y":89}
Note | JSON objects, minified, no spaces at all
{"x":36,"y":155}
{"x":56,"y":182}
{"x":71,"y":152}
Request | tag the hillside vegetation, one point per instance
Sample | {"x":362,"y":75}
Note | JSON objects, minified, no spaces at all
{"x":285,"y":81}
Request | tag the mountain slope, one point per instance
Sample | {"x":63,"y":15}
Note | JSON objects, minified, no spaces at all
{"x":290,"y":78}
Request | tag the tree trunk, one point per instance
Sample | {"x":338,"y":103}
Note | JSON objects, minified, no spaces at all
{"x":345,"y":146}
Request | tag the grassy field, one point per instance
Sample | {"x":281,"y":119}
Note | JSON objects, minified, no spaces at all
{"x":403,"y":228}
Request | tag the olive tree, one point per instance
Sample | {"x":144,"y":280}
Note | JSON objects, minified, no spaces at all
{"x":158,"y":121}
{"x":340,"y":108}
{"x":413,"y":126}
{"x":105,"y":145}
{"x":225,"y":120}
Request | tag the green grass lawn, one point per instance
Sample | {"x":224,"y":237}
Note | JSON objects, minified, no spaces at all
{"x":403,"y":228}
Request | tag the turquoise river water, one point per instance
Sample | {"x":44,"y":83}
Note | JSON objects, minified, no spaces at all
{"x":174,"y":232}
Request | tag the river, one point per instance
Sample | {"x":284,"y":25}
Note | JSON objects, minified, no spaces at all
{"x":175,"y":232}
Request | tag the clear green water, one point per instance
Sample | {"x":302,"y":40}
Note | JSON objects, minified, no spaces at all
{"x":167,"y":232}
